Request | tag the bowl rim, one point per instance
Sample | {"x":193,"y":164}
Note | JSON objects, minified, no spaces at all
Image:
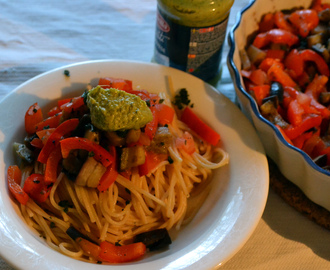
{"x":253,"y":104}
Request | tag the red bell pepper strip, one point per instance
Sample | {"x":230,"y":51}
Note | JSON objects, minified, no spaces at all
{"x":151,"y":127}
{"x":306,"y":102}
{"x":258,"y":77}
{"x":313,"y":90}
{"x":50,"y":122}
{"x":310,"y":55}
{"x":32,"y":117}
{"x":260,"y":92}
{"x":165,"y":113}
{"x":311,"y":143}
{"x":278,"y":36}
{"x":267,"y":22}
{"x":186,"y":142}
{"x":296,"y":60}
{"x":57,"y":108}
{"x":295,"y":113}
{"x":300,"y":140}
{"x":307,"y":123}
{"x":120,"y":254}
{"x":14,"y":176}
{"x":63,"y":129}
{"x":316,"y":86}
{"x":117,"y":83}
{"x":275,"y":54}
{"x":110,"y":175}
{"x":152,"y":161}
{"x":37,"y":143}
{"x":52,"y":165}
{"x":143,"y":94}
{"x":199,"y":126}
{"x":99,"y":153}
{"x":281,"y":22}
{"x":89,"y":248}
{"x":36,"y":187}
{"x":268,"y":62}
{"x":54,"y":111}
{"x":44,"y":134}
{"x":74,"y":104}
{"x":63,"y":101}
{"x":304,"y":20}
{"x":276,"y":73}
{"x":108,"y":178}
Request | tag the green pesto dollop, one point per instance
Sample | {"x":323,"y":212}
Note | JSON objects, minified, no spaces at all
{"x":113,"y":110}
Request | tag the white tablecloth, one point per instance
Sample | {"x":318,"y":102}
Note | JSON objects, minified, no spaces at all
{"x":37,"y":36}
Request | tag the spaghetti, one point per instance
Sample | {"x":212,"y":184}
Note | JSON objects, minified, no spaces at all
{"x":166,"y":196}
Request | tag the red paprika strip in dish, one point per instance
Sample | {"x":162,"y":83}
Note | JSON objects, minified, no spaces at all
{"x":152,"y":161}
{"x":52,"y":165}
{"x":50,"y":122}
{"x":199,"y":126}
{"x":119,"y":254}
{"x":63,"y":129}
{"x":121,"y":84}
{"x":98,"y":152}
{"x":36,"y":187}
{"x":304,"y":20}
{"x":14,"y":176}
{"x":33,"y":116}
{"x":74,"y":104}
{"x":279,"y":36}
{"x":110,"y":176}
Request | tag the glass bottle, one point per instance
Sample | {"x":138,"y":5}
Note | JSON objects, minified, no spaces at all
{"x":190,"y":35}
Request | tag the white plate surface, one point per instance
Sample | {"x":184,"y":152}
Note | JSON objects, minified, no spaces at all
{"x":227,"y":218}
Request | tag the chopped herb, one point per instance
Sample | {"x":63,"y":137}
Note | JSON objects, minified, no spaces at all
{"x":91,"y":154}
{"x":148,"y":102}
{"x":65,"y":204}
{"x":46,"y":127}
{"x":170,"y":160}
{"x":66,"y":73}
{"x":181,"y":99}
{"x":35,"y":110}
{"x":161,"y":101}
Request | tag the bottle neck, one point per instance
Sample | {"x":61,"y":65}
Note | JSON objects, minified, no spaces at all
{"x":199,"y":13}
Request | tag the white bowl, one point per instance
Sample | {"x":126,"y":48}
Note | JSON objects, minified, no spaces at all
{"x":293,"y":163}
{"x":223,"y":224}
